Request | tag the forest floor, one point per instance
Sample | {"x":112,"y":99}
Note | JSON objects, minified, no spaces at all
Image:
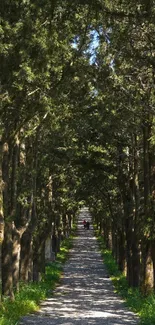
{"x":86,"y":294}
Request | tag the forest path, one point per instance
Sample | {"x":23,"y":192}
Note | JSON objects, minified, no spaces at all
{"x":86,"y":294}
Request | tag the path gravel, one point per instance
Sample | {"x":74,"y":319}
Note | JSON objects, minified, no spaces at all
{"x":86,"y":295}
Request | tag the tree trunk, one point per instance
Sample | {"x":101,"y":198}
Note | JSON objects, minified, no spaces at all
{"x":114,"y":241}
{"x":48,"y":249}
{"x":13,"y":202}
{"x":153,"y":260}
{"x":39,"y":260}
{"x":146,"y":253}
{"x":7,"y":279}
{"x":147,"y":267}
{"x":26,"y":257}
{"x":1,"y":208}
{"x":16,"y":258}
{"x":64,"y":224}
{"x":136,"y":223}
{"x":128,"y":229}
{"x":70,"y":221}
{"x":121,"y":250}
{"x":106,"y":234}
{"x":135,"y":263}
{"x":54,"y":242}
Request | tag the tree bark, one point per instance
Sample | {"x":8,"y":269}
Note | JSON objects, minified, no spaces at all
{"x":146,"y":244}
{"x":136,"y":223}
{"x":7,"y":279}
{"x":26,"y":257}
{"x":153,"y":260}
{"x":1,"y":207}
{"x":121,"y":250}
{"x":39,"y":260}
{"x":16,"y":258}
{"x":146,"y":268}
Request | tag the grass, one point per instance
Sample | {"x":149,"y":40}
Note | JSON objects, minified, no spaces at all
{"x":143,"y":306}
{"x":63,"y":255}
{"x":30,"y":295}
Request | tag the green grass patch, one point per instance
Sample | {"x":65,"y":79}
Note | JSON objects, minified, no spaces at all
{"x":28,"y":299}
{"x":66,"y":245}
{"x":30,"y":295}
{"x":141,"y":305}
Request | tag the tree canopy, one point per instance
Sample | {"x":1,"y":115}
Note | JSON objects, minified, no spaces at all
{"x":77,"y":124}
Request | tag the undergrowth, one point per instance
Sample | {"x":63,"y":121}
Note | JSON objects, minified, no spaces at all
{"x":143,"y":306}
{"x":30,"y":295}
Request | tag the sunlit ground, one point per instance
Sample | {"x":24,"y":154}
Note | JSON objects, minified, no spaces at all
{"x":86,"y":294}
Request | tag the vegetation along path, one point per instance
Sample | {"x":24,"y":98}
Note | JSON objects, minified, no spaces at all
{"x":86,"y":294}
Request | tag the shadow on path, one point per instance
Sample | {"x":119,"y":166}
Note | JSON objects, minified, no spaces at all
{"x":86,"y":294}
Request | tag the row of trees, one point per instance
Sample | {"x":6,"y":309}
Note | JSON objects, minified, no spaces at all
{"x":77,"y":123}
{"x":122,"y":178}
{"x":37,"y":177}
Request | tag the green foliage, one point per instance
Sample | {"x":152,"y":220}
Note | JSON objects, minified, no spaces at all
{"x":30,"y":295}
{"x":64,"y":250}
{"x":143,"y":306}
{"x":147,"y":312}
{"x":108,"y":259}
{"x":77,"y":107}
{"x":27,"y":300}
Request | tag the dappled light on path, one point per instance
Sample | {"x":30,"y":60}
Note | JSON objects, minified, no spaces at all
{"x":86,"y":294}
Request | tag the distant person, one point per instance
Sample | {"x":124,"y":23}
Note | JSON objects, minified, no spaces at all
{"x":84,"y":223}
{"x":87,"y":224}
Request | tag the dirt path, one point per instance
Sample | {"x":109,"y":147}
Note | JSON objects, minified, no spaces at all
{"x":86,"y":294}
